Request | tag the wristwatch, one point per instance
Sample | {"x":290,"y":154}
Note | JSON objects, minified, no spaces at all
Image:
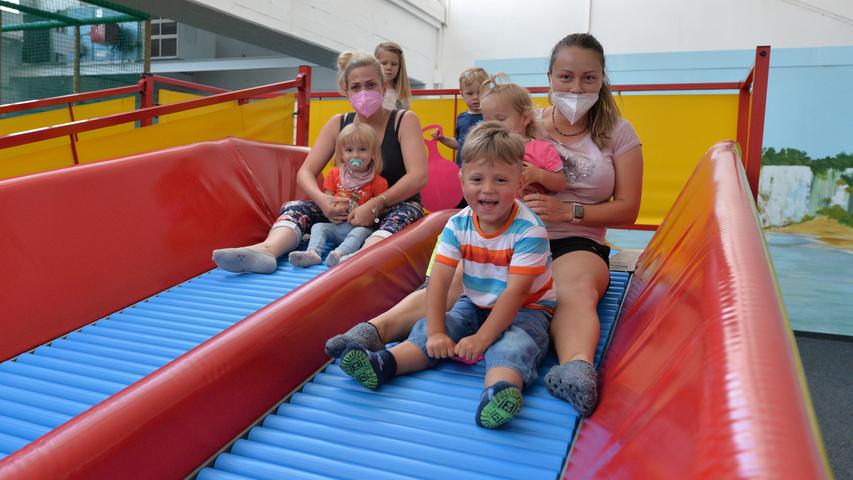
{"x":577,"y":213}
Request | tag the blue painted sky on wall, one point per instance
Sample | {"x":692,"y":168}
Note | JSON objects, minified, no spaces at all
{"x":809,"y":98}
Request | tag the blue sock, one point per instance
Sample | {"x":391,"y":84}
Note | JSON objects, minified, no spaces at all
{"x":370,"y":369}
{"x":498,"y":405}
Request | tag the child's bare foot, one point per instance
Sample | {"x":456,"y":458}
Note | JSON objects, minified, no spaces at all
{"x":304,"y":259}
{"x":245,"y":259}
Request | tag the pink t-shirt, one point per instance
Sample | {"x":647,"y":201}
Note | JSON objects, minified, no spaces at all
{"x":590,"y":175}
{"x":541,"y":153}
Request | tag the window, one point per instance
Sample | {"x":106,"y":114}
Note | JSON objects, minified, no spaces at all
{"x":164,"y":38}
{"x":10,"y":10}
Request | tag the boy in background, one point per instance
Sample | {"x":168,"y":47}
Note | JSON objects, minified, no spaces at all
{"x":470,"y":82}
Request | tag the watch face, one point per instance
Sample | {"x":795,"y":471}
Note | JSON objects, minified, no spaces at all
{"x":578,"y":211}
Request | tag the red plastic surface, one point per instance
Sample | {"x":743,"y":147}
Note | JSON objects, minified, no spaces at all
{"x":702,"y":379}
{"x":132,"y":227}
{"x":83,"y":242}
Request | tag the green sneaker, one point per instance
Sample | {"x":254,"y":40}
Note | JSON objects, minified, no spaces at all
{"x":355,"y":362}
{"x":499,"y":404}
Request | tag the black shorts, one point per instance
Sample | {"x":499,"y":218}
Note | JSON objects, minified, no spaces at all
{"x":562,"y":246}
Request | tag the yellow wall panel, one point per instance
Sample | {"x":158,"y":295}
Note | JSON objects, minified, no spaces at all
{"x":23,"y":123}
{"x":38,"y":156}
{"x":35,"y":157}
{"x":269,"y":120}
{"x":213,"y":126}
{"x":56,"y":152}
{"x":103,"y":109}
{"x":676,"y":130}
{"x":167,"y":97}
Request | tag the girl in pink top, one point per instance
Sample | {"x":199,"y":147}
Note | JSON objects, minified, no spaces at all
{"x":511,"y":105}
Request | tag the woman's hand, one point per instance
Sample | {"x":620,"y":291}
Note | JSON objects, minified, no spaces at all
{"x":334,"y":208}
{"x":439,"y":345}
{"x":471,"y":347}
{"x":549,"y":208}
{"x":365,"y":215}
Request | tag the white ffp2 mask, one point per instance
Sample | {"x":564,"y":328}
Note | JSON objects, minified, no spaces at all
{"x":573,"y":106}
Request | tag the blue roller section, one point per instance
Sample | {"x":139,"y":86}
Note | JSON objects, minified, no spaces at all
{"x":416,"y":426}
{"x":45,"y":388}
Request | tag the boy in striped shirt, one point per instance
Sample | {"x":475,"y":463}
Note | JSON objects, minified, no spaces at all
{"x":509,"y":295}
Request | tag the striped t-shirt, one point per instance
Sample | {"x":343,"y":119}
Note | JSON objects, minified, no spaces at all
{"x":519,"y":247}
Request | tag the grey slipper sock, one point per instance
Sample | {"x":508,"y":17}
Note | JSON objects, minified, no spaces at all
{"x":364,"y":334}
{"x":575,"y":382}
{"x":244,"y":259}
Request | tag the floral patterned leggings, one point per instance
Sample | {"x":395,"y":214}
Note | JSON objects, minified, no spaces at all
{"x":305,"y":213}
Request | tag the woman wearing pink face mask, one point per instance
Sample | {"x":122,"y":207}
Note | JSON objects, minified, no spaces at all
{"x":404,"y":166}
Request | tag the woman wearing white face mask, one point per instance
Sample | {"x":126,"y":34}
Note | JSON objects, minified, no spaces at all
{"x":404,"y":166}
{"x":603,"y":161}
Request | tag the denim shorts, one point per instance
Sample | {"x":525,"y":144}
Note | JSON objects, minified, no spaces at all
{"x":521,"y":347}
{"x":305,"y":213}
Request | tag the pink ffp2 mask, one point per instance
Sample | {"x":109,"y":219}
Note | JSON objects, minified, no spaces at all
{"x":366,"y":102}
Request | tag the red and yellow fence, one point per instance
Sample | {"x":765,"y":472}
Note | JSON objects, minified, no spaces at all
{"x":673,"y":127}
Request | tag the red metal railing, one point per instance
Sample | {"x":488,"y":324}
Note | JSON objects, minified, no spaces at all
{"x":145,"y":115}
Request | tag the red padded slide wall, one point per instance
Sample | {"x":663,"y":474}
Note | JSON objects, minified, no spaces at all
{"x":80,"y":243}
{"x":702,"y":379}
{"x":171,"y":421}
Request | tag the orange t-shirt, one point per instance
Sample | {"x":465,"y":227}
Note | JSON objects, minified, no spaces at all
{"x":332,"y":183}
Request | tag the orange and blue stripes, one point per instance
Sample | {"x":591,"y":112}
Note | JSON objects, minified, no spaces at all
{"x":520,"y":248}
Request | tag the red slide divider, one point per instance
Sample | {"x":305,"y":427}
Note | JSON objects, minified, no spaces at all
{"x":92,"y":239}
{"x":702,"y":379}
{"x":81,"y":243}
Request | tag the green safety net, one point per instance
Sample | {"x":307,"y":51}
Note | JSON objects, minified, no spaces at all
{"x":40,"y":40}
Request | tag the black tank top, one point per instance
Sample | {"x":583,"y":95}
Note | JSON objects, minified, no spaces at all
{"x":393,"y":167}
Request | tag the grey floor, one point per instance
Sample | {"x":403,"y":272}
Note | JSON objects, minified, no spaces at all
{"x":828,"y":363}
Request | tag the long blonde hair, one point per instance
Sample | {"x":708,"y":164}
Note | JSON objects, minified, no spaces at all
{"x":518,"y":98}
{"x":400,"y":84}
{"x":358,"y":133}
{"x":349,"y":61}
{"x":602,"y":117}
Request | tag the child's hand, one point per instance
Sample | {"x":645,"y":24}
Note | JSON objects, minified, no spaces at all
{"x":439,"y":345}
{"x":530,"y":174}
{"x":471,"y":347}
{"x":435,"y":135}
